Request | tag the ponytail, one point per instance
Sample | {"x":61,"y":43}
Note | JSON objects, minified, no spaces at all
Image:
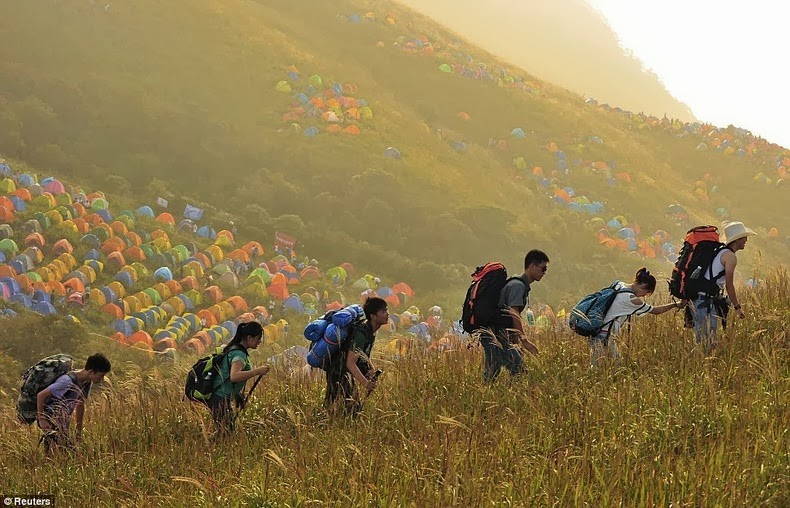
{"x":644,"y":278}
{"x":244,"y":330}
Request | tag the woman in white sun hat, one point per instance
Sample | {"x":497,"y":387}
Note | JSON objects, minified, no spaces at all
{"x":705,"y":310}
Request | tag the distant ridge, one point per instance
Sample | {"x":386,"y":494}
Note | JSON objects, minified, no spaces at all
{"x":566,"y":42}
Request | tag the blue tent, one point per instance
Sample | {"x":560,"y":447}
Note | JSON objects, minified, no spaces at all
{"x":19,"y":204}
{"x":46,"y":180}
{"x":294,"y":303}
{"x":109,"y":294}
{"x":92,"y":254}
{"x":91,"y":241}
{"x":22,"y":299}
{"x":125,"y":278}
{"x":41,"y":296}
{"x":11,"y":284}
{"x":311,"y":132}
{"x":26,"y":180}
{"x":123,"y":327}
{"x":614,"y":224}
{"x":105,"y":214}
{"x":5,"y":169}
{"x":459,"y":146}
{"x":518,"y":132}
{"x":193,"y":213}
{"x":384,"y":292}
{"x":302,"y":98}
{"x":420,"y":330}
{"x":229,"y":326}
{"x":560,"y":155}
{"x":132,"y":321}
{"x":392,"y":153}
{"x":163,"y":274}
{"x":2,"y":257}
{"x":207,"y":232}
{"x":187,"y":302}
{"x":45,"y":308}
{"x":145,"y":211}
{"x":626,"y":233}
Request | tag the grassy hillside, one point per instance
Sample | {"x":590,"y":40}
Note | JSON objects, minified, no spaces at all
{"x":668,"y":427}
{"x":179,"y":101}
{"x":565,"y":42}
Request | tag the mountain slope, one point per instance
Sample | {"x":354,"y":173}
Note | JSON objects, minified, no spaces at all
{"x":179,"y":101}
{"x":565,"y":42}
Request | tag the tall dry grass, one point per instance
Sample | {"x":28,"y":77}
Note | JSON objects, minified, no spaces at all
{"x":668,"y":427}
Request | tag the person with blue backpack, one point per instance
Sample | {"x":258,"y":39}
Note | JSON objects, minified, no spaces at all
{"x":351,"y":365}
{"x":600,"y":316}
{"x":234,"y":371}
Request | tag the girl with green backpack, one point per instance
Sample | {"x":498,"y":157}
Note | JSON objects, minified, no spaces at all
{"x":234,"y":371}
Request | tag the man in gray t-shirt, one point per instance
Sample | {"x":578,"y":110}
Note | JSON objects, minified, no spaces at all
{"x":499,"y":349}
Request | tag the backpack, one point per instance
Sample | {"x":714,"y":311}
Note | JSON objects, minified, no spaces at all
{"x":481,"y":305}
{"x":329,"y":334}
{"x":700,"y":248}
{"x":201,"y":377}
{"x":587,"y":316}
{"x":37,"y":378}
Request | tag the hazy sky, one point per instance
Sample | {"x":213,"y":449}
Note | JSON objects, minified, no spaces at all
{"x":728,"y":60}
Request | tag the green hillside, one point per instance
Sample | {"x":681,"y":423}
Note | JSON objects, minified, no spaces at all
{"x":178,"y":100}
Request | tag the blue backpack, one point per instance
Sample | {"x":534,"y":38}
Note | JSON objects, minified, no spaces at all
{"x":328,"y":334}
{"x":587,"y":317}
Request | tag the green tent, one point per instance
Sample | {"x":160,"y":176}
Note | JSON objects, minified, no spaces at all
{"x":9,"y":246}
{"x":446,"y":68}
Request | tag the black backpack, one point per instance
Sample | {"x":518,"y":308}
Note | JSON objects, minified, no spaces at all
{"x":201,"y":377}
{"x":481,"y":305}
{"x":695,"y":260}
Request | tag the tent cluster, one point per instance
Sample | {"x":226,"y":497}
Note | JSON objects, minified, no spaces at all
{"x":389,"y":18}
{"x":328,"y":107}
{"x":731,"y":140}
{"x":68,"y":252}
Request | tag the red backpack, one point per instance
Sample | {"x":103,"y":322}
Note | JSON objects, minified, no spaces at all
{"x":695,"y":260}
{"x":481,"y":305}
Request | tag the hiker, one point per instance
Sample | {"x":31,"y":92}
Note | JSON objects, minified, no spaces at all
{"x":56,"y":403}
{"x":627,"y":302}
{"x":351,"y":365}
{"x":707,"y":309}
{"x":499,"y":344}
{"x":234,"y":371}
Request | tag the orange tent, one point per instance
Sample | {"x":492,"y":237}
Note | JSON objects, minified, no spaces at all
{"x":35,"y":240}
{"x":134,"y":238}
{"x":279,"y":279}
{"x":118,"y":337}
{"x":402,"y":287}
{"x":114,"y":244}
{"x":93,"y":219}
{"x":353,"y":130}
{"x":188,"y":283}
{"x":165,"y":218}
{"x":279,"y":291}
{"x":113,"y":310}
{"x":158,"y":233}
{"x":203,"y":337}
{"x":140,"y":336}
{"x":57,"y":288}
{"x":134,"y":254}
{"x":253,"y":248}
{"x":6,"y":215}
{"x":62,"y":246}
{"x":214,"y":293}
{"x":22,"y":194}
{"x":166,"y":343}
{"x":195,"y":346}
{"x":203,"y":259}
{"x":227,"y":234}
{"x":238,"y":303}
{"x":239,"y":255}
{"x":75,"y":284}
{"x":333,"y":128}
{"x":117,"y":259}
{"x":119,"y":228}
{"x":174,"y":287}
{"x":26,"y":284}
{"x":7,"y":271}
{"x":82,"y":226}
{"x":204,"y":314}
{"x":81,"y":212}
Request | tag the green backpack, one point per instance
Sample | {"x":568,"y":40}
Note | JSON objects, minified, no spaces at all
{"x":37,"y":378}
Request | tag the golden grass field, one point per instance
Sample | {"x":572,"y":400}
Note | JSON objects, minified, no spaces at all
{"x":668,"y":427}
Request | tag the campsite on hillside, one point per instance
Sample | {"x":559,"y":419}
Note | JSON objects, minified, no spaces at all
{"x":336,"y":253}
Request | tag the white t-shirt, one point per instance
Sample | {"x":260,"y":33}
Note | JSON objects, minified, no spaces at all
{"x":622,"y":307}
{"x":717,"y":267}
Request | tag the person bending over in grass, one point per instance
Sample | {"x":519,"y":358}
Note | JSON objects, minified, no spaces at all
{"x":628,"y":302}
{"x":498,"y":346}
{"x":56,"y":403}
{"x":234,"y":371}
{"x":351,"y":365}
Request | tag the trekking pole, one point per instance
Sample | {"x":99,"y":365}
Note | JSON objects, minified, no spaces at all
{"x":247,"y":398}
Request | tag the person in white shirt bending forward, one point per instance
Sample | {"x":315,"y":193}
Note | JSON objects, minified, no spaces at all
{"x":628,"y":302}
